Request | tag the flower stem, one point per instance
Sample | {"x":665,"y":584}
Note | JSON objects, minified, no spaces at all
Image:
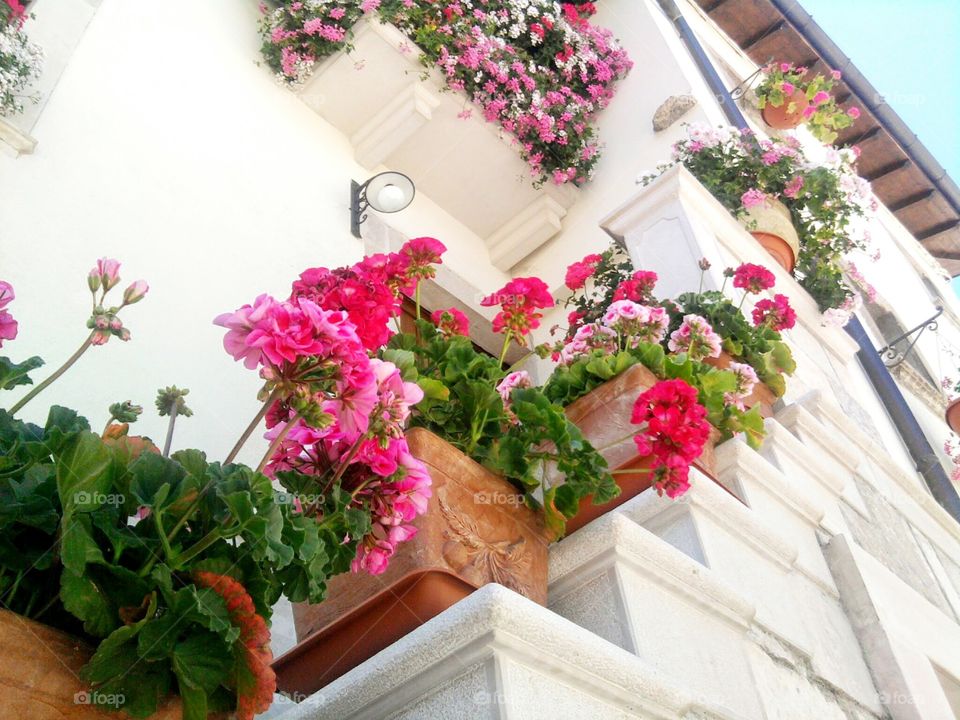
{"x":276,"y":442}
{"x":49,"y":381}
{"x":173,"y":421}
{"x":416,"y":294}
{"x":202,"y":544}
{"x":252,"y":426}
{"x":506,"y":346}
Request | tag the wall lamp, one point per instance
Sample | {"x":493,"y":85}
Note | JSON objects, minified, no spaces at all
{"x":386,"y":192}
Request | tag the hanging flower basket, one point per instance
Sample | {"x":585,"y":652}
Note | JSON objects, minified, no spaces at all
{"x":952,"y":415}
{"x":770,"y":223}
{"x":476,"y":530}
{"x":787,"y":115}
{"x":39,"y":669}
{"x":603,"y":416}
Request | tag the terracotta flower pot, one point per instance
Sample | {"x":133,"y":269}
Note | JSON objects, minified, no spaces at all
{"x":772,"y":226}
{"x":953,"y":415}
{"x":476,"y":530}
{"x":39,"y":673}
{"x":789,"y":115}
{"x":603,"y":415}
{"x":762,"y":395}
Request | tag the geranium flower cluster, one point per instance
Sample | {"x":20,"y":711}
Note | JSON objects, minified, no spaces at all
{"x":828,"y":202}
{"x":746,"y":381}
{"x":21,"y":61}
{"x":105,"y":321}
{"x":519,"y":301}
{"x":636,"y":323}
{"x":336,"y":414}
{"x":451,"y":322}
{"x":775,"y":314}
{"x":8,"y":326}
{"x":587,"y":339}
{"x":696,"y":338}
{"x":786,"y":83}
{"x":371,"y":291}
{"x":518,"y":379}
{"x":753,"y":278}
{"x":674,"y":433}
{"x":539,"y":68}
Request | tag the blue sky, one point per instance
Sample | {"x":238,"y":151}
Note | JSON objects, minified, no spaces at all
{"x":910,"y":51}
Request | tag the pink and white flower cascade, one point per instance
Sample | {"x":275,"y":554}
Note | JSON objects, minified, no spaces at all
{"x":538,"y":68}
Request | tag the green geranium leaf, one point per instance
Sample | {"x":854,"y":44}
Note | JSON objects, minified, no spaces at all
{"x":13,"y":374}
{"x":83,"y":474}
{"x":82,"y":598}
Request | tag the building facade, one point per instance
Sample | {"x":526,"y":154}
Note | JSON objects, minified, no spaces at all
{"x":826,"y":584}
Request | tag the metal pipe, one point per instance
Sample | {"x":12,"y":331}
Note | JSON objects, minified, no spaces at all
{"x":699,"y":55}
{"x":924,"y":457}
{"x":926,"y":460}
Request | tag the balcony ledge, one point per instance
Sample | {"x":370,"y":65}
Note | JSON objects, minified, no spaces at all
{"x":398,"y":114}
{"x":672,"y":223}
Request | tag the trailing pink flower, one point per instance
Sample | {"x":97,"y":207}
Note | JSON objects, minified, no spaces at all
{"x":753,"y":278}
{"x":695,"y":337}
{"x":820,"y":98}
{"x":775,"y":314}
{"x":792,"y":188}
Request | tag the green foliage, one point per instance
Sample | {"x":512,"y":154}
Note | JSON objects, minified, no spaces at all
{"x":540,"y":441}
{"x":102,"y":540}
{"x":759,"y":347}
{"x":13,"y":374}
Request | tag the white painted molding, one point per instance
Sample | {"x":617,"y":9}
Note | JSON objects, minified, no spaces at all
{"x":17,"y":141}
{"x":780,"y":440}
{"x":614,"y":538}
{"x":525,"y":232}
{"x":410,"y":110}
{"x":400,"y":114}
{"x":498,"y":624}
{"x":827,"y":410}
{"x":736,"y":458}
{"x":721,"y":507}
{"x":676,"y":213}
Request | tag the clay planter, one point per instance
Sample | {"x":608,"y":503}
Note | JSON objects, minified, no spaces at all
{"x":953,"y":415}
{"x":782,"y":118}
{"x":762,"y":395}
{"x":39,"y":675}
{"x":771,"y":225}
{"x":476,"y":531}
{"x":603,"y":415}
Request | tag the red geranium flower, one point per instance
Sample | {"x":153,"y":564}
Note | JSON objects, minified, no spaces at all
{"x":753,"y":278}
{"x":776,"y":314}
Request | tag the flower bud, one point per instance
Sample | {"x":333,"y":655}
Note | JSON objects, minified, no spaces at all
{"x":115,"y":323}
{"x":135,"y":292}
{"x":704,"y":264}
{"x":100,"y":337}
{"x":124,"y":334}
{"x":109,"y":271}
{"x":93,"y":280}
{"x":101,"y":322}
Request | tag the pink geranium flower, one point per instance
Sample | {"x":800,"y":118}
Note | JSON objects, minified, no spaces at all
{"x":451,"y":322}
{"x":695,"y":337}
{"x":579,"y":272}
{"x":519,"y":300}
{"x":753,"y":278}
{"x":752,"y":198}
{"x":775,"y":314}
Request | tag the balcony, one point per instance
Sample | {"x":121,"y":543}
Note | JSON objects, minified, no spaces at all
{"x":669,"y":225}
{"x":398,"y":114}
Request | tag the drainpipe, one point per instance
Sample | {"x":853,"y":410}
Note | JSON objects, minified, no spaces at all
{"x":923,"y":455}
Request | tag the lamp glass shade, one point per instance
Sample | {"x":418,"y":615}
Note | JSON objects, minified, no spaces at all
{"x":390,"y":192}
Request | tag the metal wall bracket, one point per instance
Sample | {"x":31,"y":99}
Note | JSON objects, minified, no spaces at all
{"x":892,"y":357}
